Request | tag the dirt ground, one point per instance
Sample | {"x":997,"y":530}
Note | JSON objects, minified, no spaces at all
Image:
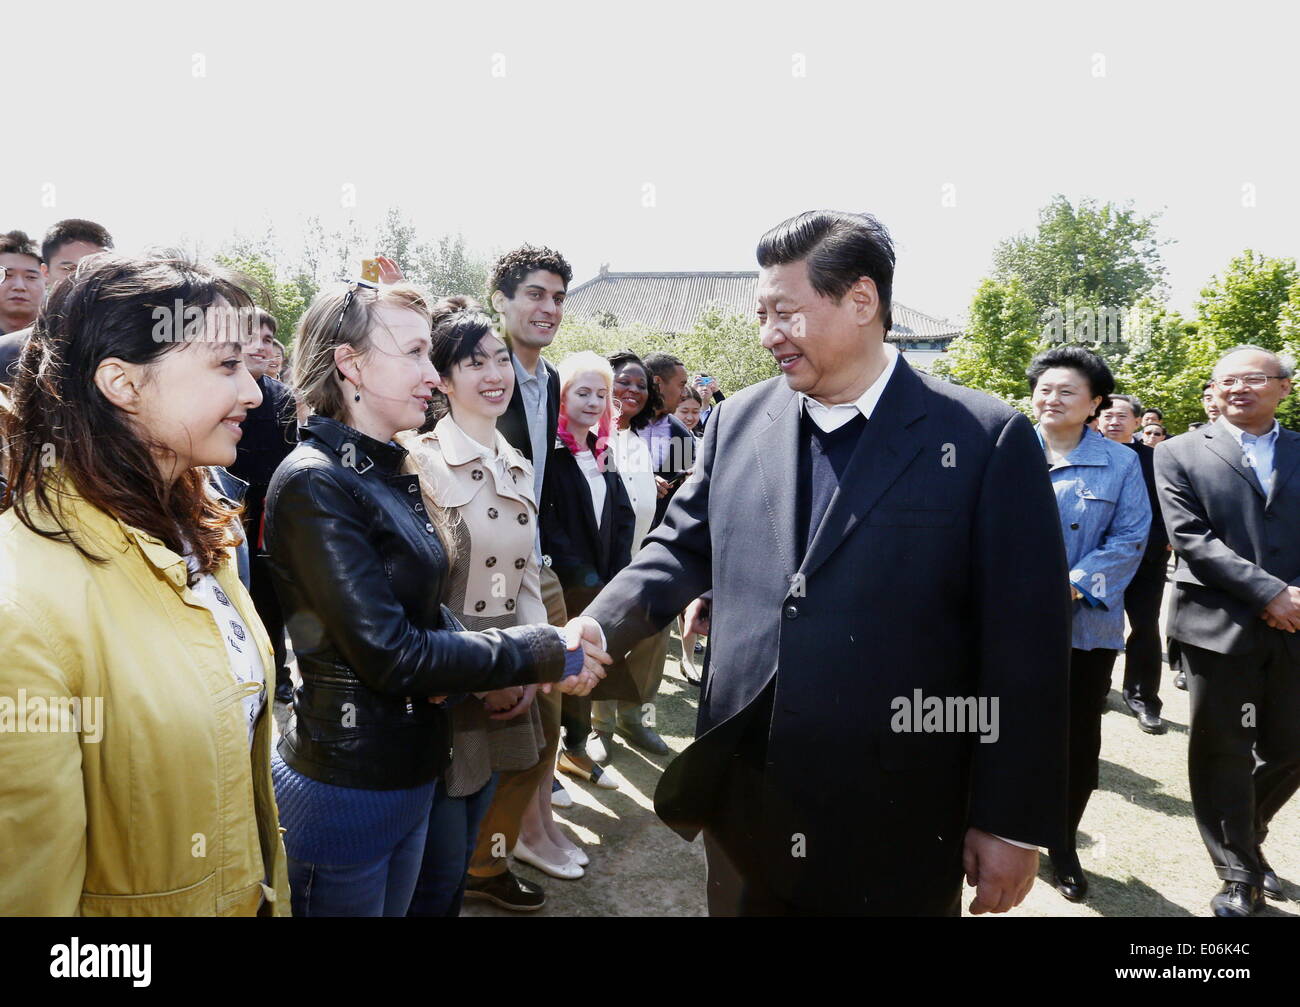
{"x":1138,"y":840}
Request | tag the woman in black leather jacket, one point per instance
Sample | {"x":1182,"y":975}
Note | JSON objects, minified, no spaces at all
{"x":360,"y":570}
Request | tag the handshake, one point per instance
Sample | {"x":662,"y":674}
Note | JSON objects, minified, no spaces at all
{"x":586,"y":633}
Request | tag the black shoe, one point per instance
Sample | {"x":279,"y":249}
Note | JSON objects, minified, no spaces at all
{"x":1070,"y":880}
{"x":507,"y":891}
{"x":1272,"y":883}
{"x":1150,"y":723}
{"x":1180,"y":681}
{"x":284,"y":693}
{"x":645,"y":738}
{"x":699,"y":648}
{"x":1236,"y":898}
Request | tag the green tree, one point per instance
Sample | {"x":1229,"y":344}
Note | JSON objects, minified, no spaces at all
{"x":1000,"y":339}
{"x":1090,"y":256}
{"x":284,"y":300}
{"x":1156,"y":366}
{"x":1256,"y":300}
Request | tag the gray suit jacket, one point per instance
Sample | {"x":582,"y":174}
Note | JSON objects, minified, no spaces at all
{"x":1238,"y":549}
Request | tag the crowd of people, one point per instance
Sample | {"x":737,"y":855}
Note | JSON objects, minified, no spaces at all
{"x":445,"y":567}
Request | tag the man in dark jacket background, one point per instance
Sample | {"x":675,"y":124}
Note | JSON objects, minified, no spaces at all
{"x":270,"y":433}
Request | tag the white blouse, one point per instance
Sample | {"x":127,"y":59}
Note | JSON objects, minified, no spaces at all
{"x":595,"y":482}
{"x":241,"y":646}
{"x":632,"y":456}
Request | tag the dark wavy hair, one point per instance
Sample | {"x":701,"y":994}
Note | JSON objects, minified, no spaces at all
{"x":109,"y":310}
{"x":1090,"y":365}
{"x":654,"y":401}
{"x":513,"y":268}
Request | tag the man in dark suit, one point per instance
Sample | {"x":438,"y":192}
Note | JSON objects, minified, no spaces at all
{"x":880,"y":544}
{"x":1142,"y":597}
{"x":1230,"y":493}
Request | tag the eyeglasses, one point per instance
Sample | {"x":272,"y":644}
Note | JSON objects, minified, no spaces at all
{"x":1247,"y":380}
{"x":347,"y":303}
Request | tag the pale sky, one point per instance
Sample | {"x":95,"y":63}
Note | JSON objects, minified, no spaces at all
{"x":546,"y":122}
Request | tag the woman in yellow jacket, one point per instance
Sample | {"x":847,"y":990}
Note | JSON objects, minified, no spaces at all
{"x":134,"y":734}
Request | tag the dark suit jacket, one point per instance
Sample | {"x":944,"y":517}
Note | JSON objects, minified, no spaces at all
{"x":584,"y":555}
{"x":1157,"y":552}
{"x":939,"y":566}
{"x":1238,"y":549}
{"x":513,"y":423}
{"x":683,"y":446}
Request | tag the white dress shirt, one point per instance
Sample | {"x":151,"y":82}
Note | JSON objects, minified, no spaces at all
{"x":831,"y":418}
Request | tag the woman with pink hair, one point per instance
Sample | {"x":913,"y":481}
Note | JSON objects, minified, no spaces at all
{"x":588,"y":524}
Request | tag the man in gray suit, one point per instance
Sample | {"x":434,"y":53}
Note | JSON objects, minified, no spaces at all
{"x":1230,"y":495}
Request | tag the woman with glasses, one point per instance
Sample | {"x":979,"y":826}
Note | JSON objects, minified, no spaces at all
{"x":362,"y":571}
{"x":144,"y":786}
{"x":1105,"y":518}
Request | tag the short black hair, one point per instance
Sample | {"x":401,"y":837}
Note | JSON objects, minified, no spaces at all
{"x":1209,"y":383}
{"x":265,"y":319}
{"x":1092,"y":367}
{"x":661,"y":365}
{"x":513,"y":268}
{"x":1134,"y":404}
{"x":1160,"y":413}
{"x":74,"y":229}
{"x":840,"y":249}
{"x":17,"y":243}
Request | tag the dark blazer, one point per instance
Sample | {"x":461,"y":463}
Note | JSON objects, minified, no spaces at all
{"x":270,"y":433}
{"x":939,"y":566}
{"x":585,"y":555}
{"x":683,"y":446}
{"x":513,"y":423}
{"x":1238,"y":549}
{"x":1157,"y":551}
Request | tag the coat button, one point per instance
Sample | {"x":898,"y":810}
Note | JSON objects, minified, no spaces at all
{"x":792,"y":611}
{"x":479,"y":606}
{"x":1074,"y":526}
{"x":519,"y":563}
{"x":476,"y":474}
{"x":510,"y":604}
{"x":419,"y":508}
{"x":492,"y":512}
{"x":523,"y":518}
{"x":412,"y":488}
{"x":491,"y":561}
{"x":428,"y":528}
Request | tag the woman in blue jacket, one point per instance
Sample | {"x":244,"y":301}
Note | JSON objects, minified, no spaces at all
{"x":1105,"y":518}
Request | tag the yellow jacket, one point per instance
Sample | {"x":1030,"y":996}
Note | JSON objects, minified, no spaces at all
{"x":148,"y":804}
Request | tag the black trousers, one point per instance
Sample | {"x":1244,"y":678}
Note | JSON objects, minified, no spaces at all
{"x":267,"y":604}
{"x":1090,"y":672}
{"x":1142,"y":660}
{"x":575,"y":718}
{"x":1243,"y":755}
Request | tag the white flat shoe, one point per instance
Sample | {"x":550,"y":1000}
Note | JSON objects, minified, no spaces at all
{"x":578,"y":856}
{"x":567,"y":871}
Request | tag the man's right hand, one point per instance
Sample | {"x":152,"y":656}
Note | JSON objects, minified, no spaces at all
{"x":1283,"y":612}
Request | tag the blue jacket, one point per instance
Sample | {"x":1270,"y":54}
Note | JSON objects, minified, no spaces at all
{"x":1105,"y":520}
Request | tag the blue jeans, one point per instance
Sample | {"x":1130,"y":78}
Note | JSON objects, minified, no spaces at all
{"x":452,"y":836}
{"x":381,"y":887}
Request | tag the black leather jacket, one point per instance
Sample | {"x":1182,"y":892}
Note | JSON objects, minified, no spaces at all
{"x":360,"y":573}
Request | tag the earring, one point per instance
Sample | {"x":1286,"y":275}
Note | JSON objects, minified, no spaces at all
{"x":357,"y":396}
